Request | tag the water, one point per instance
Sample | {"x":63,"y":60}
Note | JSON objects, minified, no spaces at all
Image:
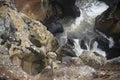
{"x":82,"y":28}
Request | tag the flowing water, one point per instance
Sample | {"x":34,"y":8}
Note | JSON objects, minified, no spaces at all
{"x":82,"y":28}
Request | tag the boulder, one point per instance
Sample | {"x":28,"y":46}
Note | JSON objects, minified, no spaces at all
{"x":92,"y":59}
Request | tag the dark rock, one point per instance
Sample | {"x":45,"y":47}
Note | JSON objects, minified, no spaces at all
{"x":70,"y":42}
{"x":103,"y":43}
{"x":113,"y":53}
{"x":82,"y":44}
{"x":109,"y":24}
{"x":55,"y":27}
{"x":68,"y":7}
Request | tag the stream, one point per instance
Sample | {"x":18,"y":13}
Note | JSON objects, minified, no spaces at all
{"x":81,"y":30}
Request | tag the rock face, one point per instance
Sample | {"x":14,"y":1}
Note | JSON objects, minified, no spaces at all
{"x":109,"y":24}
{"x":68,"y":7}
{"x":36,"y":9}
{"x":29,"y":52}
{"x":25,"y":40}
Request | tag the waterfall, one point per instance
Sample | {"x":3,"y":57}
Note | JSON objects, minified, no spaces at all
{"x":82,"y":28}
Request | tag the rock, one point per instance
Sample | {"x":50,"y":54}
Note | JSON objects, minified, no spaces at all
{"x":109,"y":24}
{"x":76,"y":61}
{"x":109,"y":64}
{"x":4,"y":50}
{"x":75,"y":73}
{"x":33,"y":64}
{"x":16,"y":60}
{"x":51,"y":55}
{"x":51,"y":58}
{"x":55,"y":28}
{"x":5,"y":59}
{"x":92,"y":59}
{"x":24,"y":40}
{"x":68,"y":7}
{"x":66,"y":59}
{"x":40,"y":12}
{"x":65,"y":50}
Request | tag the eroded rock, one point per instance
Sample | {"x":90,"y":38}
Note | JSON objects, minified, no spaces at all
{"x":24,"y":40}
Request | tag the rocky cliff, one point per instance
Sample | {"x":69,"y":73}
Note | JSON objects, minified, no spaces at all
{"x":28,"y":51}
{"x":23,"y":39}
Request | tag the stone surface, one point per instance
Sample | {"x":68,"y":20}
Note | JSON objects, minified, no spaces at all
{"x":36,"y":9}
{"x":92,"y":59}
{"x":24,"y":40}
{"x":29,"y":52}
{"x":74,"y":73}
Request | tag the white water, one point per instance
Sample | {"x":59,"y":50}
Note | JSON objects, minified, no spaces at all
{"x":81,"y":28}
{"x":110,"y":39}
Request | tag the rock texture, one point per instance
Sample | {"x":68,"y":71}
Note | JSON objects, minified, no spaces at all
{"x":25,"y":40}
{"x":29,"y":52}
{"x":36,"y":9}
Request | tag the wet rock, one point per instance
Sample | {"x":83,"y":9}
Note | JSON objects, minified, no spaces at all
{"x":92,"y":59}
{"x":55,"y":28}
{"x":65,"y":50}
{"x":68,"y":7}
{"x":110,"y":19}
{"x":108,"y":23}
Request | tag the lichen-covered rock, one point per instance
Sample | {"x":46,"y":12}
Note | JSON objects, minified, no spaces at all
{"x":24,"y":40}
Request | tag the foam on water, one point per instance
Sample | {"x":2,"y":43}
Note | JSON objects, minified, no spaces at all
{"x":110,"y":39}
{"x":81,"y":28}
{"x":77,"y":48}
